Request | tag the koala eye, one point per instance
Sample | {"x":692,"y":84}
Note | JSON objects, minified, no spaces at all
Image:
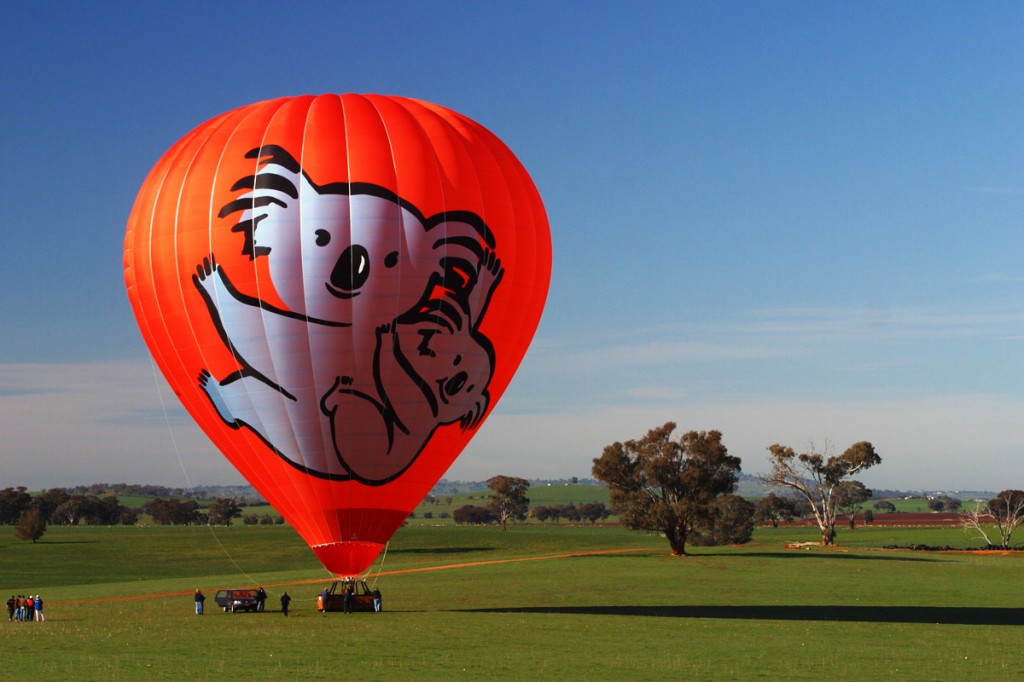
{"x":323,"y":237}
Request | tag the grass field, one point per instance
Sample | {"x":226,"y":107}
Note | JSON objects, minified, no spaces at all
{"x":476,"y":603}
{"x":440,"y":510}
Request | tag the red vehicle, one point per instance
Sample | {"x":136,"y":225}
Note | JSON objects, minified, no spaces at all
{"x":362,"y":597}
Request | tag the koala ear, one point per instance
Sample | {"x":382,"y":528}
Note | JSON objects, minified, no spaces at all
{"x":274,"y":155}
{"x":273,"y":184}
{"x":279,"y":174}
{"x":461,"y":226}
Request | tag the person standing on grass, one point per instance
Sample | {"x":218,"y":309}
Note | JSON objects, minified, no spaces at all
{"x":376,"y":599}
{"x":30,"y":609}
{"x":200,"y":598}
{"x":10,"y":608}
{"x":261,"y":599}
{"x":285,"y":600}
{"x":40,"y":618}
{"x":346,"y":600}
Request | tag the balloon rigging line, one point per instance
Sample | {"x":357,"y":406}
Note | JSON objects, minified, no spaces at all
{"x":380,"y":566}
{"x":191,"y":488}
{"x":184,"y":471}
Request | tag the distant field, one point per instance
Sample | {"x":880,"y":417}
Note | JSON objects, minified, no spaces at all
{"x":478,"y":603}
{"x":133,"y":501}
{"x":439,"y":511}
{"x":545,"y":495}
{"x":548,"y":494}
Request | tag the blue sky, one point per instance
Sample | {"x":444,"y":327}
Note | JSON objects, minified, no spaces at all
{"x":792,"y":222}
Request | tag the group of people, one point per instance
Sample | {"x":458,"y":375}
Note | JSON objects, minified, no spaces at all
{"x":25,"y":609}
{"x":347,"y":597}
{"x":261,"y":599}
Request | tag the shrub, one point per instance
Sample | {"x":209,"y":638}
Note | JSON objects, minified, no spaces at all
{"x":30,"y":526}
{"x":473,"y":514}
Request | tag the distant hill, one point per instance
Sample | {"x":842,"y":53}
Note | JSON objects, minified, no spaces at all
{"x":747,"y":486}
{"x":446,"y":487}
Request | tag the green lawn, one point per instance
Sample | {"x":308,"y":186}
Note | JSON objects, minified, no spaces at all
{"x":513,"y":611}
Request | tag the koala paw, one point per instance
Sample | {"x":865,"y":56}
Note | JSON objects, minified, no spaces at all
{"x":490,"y":262}
{"x":212,"y":388}
{"x":490,"y":271}
{"x":205,"y":270}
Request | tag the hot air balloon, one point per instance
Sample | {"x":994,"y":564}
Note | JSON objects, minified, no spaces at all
{"x":339,"y":289}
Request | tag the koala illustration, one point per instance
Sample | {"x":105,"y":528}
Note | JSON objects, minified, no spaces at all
{"x":377,"y":343}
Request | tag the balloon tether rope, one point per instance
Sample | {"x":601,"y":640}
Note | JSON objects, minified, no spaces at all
{"x":192,"y":491}
{"x":380,"y":567}
{"x":184,"y":472}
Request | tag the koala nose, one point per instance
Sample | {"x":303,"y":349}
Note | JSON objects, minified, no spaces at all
{"x":352,"y":269}
{"x":456,"y":383}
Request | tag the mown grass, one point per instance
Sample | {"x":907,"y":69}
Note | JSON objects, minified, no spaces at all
{"x":759,"y":611}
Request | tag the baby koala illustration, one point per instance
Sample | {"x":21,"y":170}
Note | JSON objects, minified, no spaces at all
{"x":377,"y":343}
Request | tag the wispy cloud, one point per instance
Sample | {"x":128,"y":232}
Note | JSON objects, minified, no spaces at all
{"x":65,"y":424}
{"x":770,"y":335}
{"x":21,"y":391}
{"x":965,"y":440}
{"x":660,"y":393}
{"x":877,"y":323}
{"x":109,"y":423}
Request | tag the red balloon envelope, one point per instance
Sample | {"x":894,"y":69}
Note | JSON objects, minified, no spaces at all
{"x":339,"y":289}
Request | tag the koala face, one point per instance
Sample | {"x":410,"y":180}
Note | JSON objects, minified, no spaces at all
{"x":455,"y":370}
{"x":350,"y":259}
{"x":347,"y":254}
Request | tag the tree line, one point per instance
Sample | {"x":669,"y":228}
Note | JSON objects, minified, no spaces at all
{"x":683,"y":488}
{"x":139,"y":489}
{"x":31,"y":514}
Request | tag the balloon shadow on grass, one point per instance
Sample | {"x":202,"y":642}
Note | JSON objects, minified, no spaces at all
{"x":793,"y":554}
{"x":939,"y":615}
{"x":797,"y":554}
{"x":441,"y":550}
